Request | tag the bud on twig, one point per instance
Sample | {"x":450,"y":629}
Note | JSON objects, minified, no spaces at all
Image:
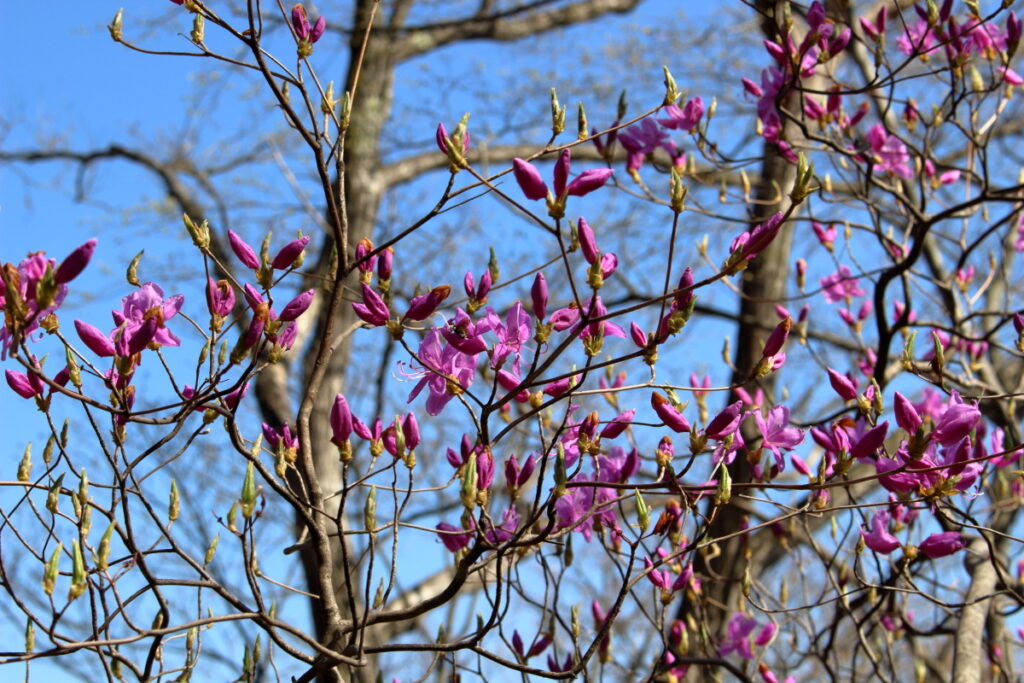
{"x":132,"y":274}
{"x":671,"y":89}
{"x":557,"y":114}
{"x":51,"y":570}
{"x":115,"y":26}
{"x":582,"y":130}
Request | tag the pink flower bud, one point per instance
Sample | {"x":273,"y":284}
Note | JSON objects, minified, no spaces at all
{"x":242,"y":250}
{"x":97,"y":342}
{"x":587,"y":243}
{"x":637,"y":334}
{"x":539,"y":295}
{"x":942,"y":544}
{"x":529,"y":179}
{"x":341,"y":421}
{"x":75,"y":263}
{"x":373,"y":310}
{"x":385,"y":261}
{"x":870,"y":442}
{"x":220,"y":297}
{"x":672,"y":418}
{"x":318,"y":29}
{"x":777,"y":339}
{"x":956,"y":423}
{"x":363,"y":249}
{"x":22,"y":385}
{"x":906,"y":414}
{"x":297,"y":306}
{"x":411,"y":431}
{"x":588,"y":181}
{"x":299,"y":22}
{"x":618,"y":424}
{"x":561,"y":172}
{"x":726,"y":422}
{"x":289,"y":253}
{"x":843,"y":385}
{"x":423,"y":306}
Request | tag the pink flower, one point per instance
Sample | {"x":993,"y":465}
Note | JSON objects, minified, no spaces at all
{"x":890,"y":154}
{"x":737,"y":637}
{"x":220,"y":297}
{"x":686,"y":118}
{"x":879,"y":539}
{"x":840,"y":285}
{"x":776,"y":434}
{"x":148,"y":306}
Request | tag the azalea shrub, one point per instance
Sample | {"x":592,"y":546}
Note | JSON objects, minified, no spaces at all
{"x":564,"y":445}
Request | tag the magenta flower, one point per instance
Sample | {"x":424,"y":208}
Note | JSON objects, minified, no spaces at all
{"x":879,"y":539}
{"x":957,"y":422}
{"x":441,"y":137}
{"x":827,"y":236}
{"x":516,"y":476}
{"x":282,"y":439}
{"x":840,"y":285}
{"x":475,"y":293}
{"x":737,"y":637}
{"x":870,"y":442}
{"x":842,"y":385}
{"x":643,"y":139}
{"x":454,"y":538}
{"x":776,"y":434}
{"x":919,"y":38}
{"x":750,"y":244}
{"x":445,"y":372}
{"x":145,"y":305}
{"x":465,"y":335}
{"x":618,"y":424}
{"x":686,"y":118}
{"x":942,"y":544}
{"x":906,"y":415}
{"x":890,"y":154}
{"x":220,"y":297}
{"x":512,"y":334}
